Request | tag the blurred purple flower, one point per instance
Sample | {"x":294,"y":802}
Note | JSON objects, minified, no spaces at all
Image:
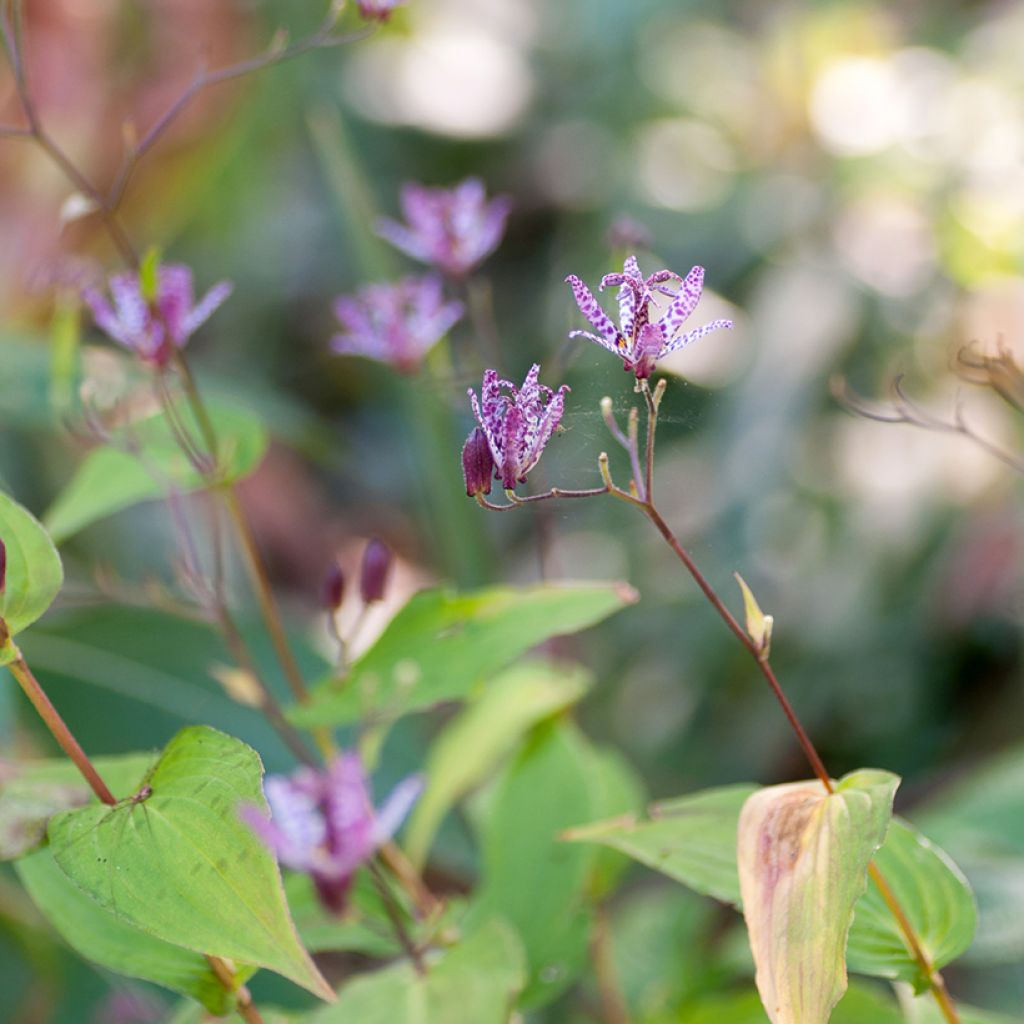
{"x":378,"y":10}
{"x":638,"y":341}
{"x":450,"y":229}
{"x":154,"y":327}
{"x":323,"y":822}
{"x":517,"y":426}
{"x":395,"y":323}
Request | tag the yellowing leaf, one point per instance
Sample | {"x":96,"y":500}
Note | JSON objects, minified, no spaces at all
{"x":803,"y":856}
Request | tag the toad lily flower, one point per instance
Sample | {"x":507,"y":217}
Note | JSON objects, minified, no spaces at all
{"x":154,"y":325}
{"x":378,"y":10}
{"x":639,"y":341}
{"x":519,"y":425}
{"x":450,"y":229}
{"x":324,"y":824}
{"x":395,"y":323}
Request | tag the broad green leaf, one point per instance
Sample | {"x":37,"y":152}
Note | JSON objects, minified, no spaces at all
{"x":34,"y":572}
{"x":530,"y":878}
{"x":803,"y":856}
{"x":616,"y":789}
{"x":442,"y":645}
{"x":31,"y":792}
{"x":100,"y":937}
{"x":933,"y":894}
{"x":983,"y":811}
{"x":483,"y":735}
{"x":691,"y":839}
{"x":475,"y":982}
{"x":860,"y":1005}
{"x":111,"y":479}
{"x":181,"y":866}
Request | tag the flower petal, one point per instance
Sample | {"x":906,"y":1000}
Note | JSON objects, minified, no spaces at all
{"x":591,"y":309}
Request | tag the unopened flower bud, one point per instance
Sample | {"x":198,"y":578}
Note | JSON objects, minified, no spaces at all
{"x":373,"y":578}
{"x":333,"y":588}
{"x":477,"y":464}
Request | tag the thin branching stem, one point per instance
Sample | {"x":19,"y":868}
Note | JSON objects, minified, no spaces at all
{"x":33,"y":689}
{"x":243,"y":998}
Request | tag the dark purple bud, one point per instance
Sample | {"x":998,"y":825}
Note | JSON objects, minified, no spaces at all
{"x":477,"y":464}
{"x":3,"y":566}
{"x":377,"y":559}
{"x":334,"y":588}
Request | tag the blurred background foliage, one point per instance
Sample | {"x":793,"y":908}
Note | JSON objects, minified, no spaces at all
{"x":852,"y":177}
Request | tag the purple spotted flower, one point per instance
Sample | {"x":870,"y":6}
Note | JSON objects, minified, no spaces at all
{"x":450,"y":229}
{"x":640,"y":341}
{"x":323,"y":822}
{"x":378,"y":10}
{"x":517,"y":425}
{"x":395,"y":323}
{"x":154,"y":326}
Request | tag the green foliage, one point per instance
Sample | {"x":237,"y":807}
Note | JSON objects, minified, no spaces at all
{"x":146,"y":461}
{"x":179,"y":864}
{"x":103,"y":938}
{"x":442,"y":645}
{"x":34,"y":573}
{"x":935,"y":897}
{"x":475,"y":982}
{"x":531,"y":878}
{"x":483,"y":735}
{"x":691,"y":839}
{"x":803,"y":855}
{"x":31,"y":792}
{"x":860,"y":1005}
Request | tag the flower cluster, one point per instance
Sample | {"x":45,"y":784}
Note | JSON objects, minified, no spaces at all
{"x":452,"y":230}
{"x":639,"y":340}
{"x":323,"y":823}
{"x":395,"y":323}
{"x":517,"y":425}
{"x":154,"y":325}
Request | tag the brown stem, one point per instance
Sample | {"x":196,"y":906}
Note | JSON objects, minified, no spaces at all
{"x":395,"y":917}
{"x":936,"y":982}
{"x":61,"y":733}
{"x":243,"y":999}
{"x":765,"y":668}
{"x":613,"y":1003}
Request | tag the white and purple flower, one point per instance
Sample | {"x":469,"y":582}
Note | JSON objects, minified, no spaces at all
{"x":323,"y":823}
{"x":395,"y":323}
{"x":154,"y":326}
{"x":450,"y":229}
{"x":518,"y":425}
{"x":637,"y":340}
{"x":378,"y":10}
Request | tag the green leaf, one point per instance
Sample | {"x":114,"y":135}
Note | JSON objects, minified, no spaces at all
{"x":926,"y":1011}
{"x":475,"y":982}
{"x":31,"y":792}
{"x":935,"y":897}
{"x":483,"y":735}
{"x":691,"y":839}
{"x":181,"y":866}
{"x":100,"y":937}
{"x":530,"y":878}
{"x":860,"y":1005}
{"x":803,"y":855}
{"x":110,"y":479}
{"x":34,"y":572}
{"x":441,"y":645}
